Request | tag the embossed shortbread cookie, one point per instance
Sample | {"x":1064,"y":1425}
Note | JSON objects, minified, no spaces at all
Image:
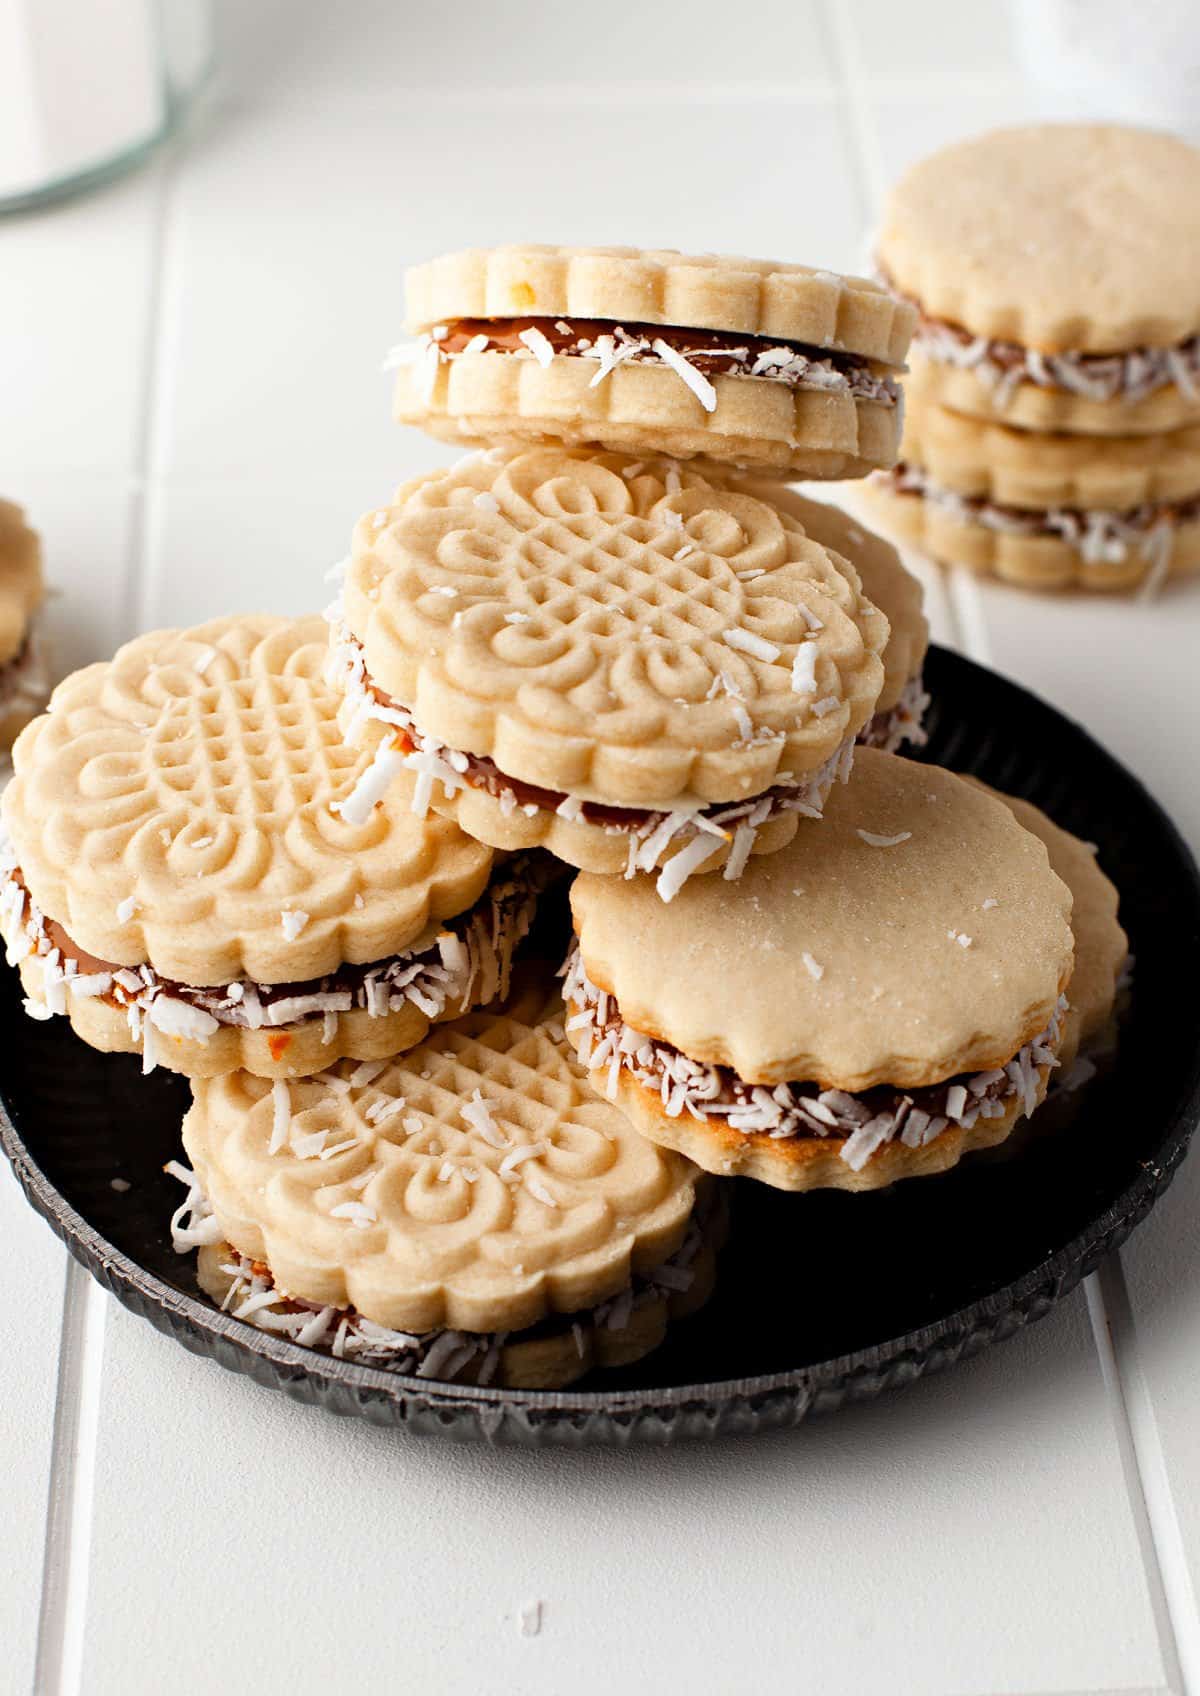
{"x":1101,"y":946}
{"x":777,"y":366}
{"x":615,"y":659}
{"x":868,"y":1004}
{"x":556,"y":1352}
{"x":1055,"y":270}
{"x":893,"y":589}
{"x":476,"y":1184}
{"x":200,"y":869}
{"x":23,"y":681}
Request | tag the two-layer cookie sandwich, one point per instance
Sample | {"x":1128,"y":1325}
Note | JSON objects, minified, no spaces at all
{"x":1054,"y":268}
{"x":870,"y":1003}
{"x":615,"y":659}
{"x":198,"y":869}
{"x":749,"y":361}
{"x":23,"y":682}
{"x":470,"y":1211}
{"x":1044,"y":510}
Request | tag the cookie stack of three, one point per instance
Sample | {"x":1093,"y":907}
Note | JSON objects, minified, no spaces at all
{"x":1053,"y":428}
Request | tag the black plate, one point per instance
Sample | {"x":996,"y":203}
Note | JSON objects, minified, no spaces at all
{"x":908,"y":1280}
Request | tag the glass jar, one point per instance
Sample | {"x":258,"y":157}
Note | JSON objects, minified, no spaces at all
{"x":88,"y":90}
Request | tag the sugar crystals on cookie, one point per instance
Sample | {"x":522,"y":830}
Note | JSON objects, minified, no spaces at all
{"x":198,"y":869}
{"x":617,"y":659}
{"x":653,"y":351}
{"x":872,"y":1001}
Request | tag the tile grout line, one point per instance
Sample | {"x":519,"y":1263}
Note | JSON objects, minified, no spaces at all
{"x":1113,"y":1322}
{"x":853,"y":104}
{"x":62,"y":1614}
{"x":1155,"y":1526}
{"x":143,"y":486}
{"x":59,"y":1663}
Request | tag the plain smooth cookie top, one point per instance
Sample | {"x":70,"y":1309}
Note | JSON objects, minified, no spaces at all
{"x":754,"y":297}
{"x":625,"y":630}
{"x":175,"y":805}
{"x":914,"y":933}
{"x":1058,"y":236}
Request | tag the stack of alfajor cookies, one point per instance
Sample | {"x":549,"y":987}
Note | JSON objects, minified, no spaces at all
{"x":612,"y":641}
{"x":1053,"y":427}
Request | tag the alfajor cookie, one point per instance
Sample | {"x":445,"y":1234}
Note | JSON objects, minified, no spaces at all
{"x":615,"y":659}
{"x":871,"y":1002}
{"x":470,"y":1211}
{"x":656,"y":352}
{"x":1101,"y":946}
{"x":199,"y":869}
{"x":1042,"y":510}
{"x":890,"y":586}
{"x":23,"y":681}
{"x":1054,"y":267}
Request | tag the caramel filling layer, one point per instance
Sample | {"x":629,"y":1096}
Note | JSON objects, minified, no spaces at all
{"x":695,"y":355}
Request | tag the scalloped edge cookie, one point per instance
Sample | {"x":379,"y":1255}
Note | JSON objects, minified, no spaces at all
{"x":408,"y":658}
{"x":486,"y":398}
{"x":1031,"y":407}
{"x":894,"y":995}
{"x":1062,"y":237}
{"x":1101,"y":946}
{"x":583,"y":1344}
{"x":1032,"y":562}
{"x":759,"y":297}
{"x":229,"y":1131}
{"x":986,"y":459}
{"x":886,"y":581}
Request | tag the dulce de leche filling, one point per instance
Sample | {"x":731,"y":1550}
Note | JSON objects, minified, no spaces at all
{"x":695,"y":355}
{"x":862,"y":1121}
{"x":650,"y":832}
{"x":469,"y":959}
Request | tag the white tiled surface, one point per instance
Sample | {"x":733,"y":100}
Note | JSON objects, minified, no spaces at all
{"x":194,"y":415}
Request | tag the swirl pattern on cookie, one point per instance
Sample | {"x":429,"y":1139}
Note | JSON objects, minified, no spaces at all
{"x":476,"y":1183}
{"x":621,"y":637}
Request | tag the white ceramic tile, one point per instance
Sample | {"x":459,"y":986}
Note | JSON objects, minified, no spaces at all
{"x":1128,"y":672}
{"x":87,"y":525}
{"x":32,"y":1269}
{"x":930,"y":38}
{"x":969,"y":1536}
{"x":289,"y":231}
{"x":902,"y":125}
{"x":307,"y":49}
{"x":74,"y":286}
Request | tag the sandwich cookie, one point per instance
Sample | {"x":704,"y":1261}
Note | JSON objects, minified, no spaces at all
{"x":24,"y":685}
{"x":656,"y":352}
{"x":890,"y":586}
{"x":615,"y":659}
{"x":470,"y":1211}
{"x":1055,"y":271}
{"x":870,"y":1003}
{"x":1045,"y":511}
{"x":1101,"y":946}
{"x":199,"y":869}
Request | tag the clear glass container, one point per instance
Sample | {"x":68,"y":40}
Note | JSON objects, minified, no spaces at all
{"x":89,"y":87}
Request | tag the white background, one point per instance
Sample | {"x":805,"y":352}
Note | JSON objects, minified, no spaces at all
{"x":192,"y":410}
